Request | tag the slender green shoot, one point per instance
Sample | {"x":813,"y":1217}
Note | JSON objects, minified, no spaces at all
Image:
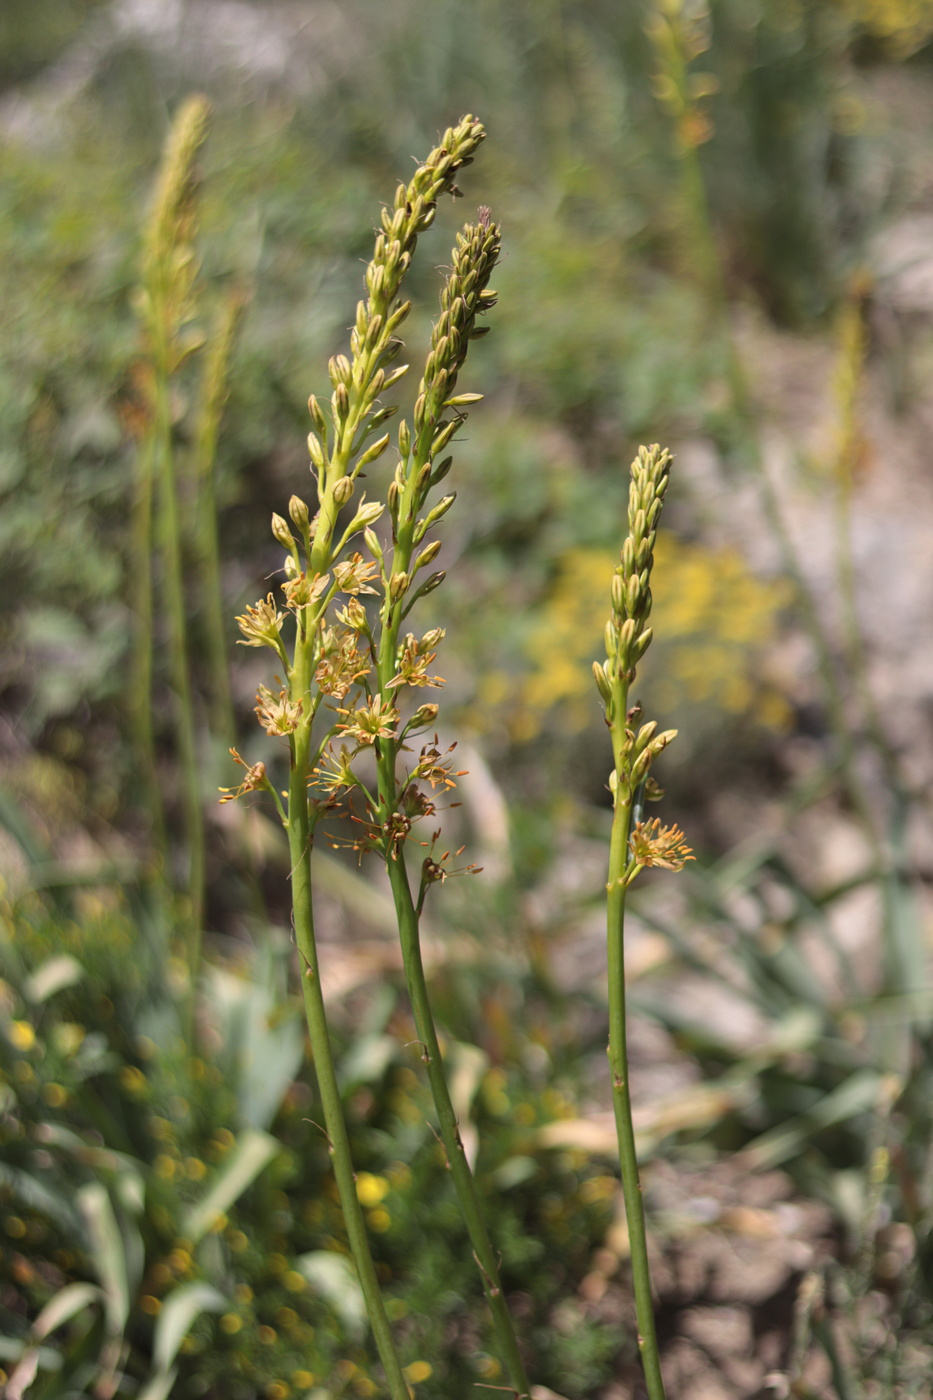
{"x":635,"y":843}
{"x":214,"y":392}
{"x":165,"y":305}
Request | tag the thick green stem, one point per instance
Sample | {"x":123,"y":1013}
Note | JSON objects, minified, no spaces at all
{"x":464,"y":1183}
{"x":622,"y":1104}
{"x":299,"y":841}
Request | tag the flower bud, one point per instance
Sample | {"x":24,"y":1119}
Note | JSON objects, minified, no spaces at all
{"x":427,"y":555}
{"x":398,"y":584}
{"x":424,"y":715}
{"x":602,"y":682}
{"x":316,"y":450}
{"x":368,"y":513}
{"x":463,"y":400}
{"x":341,"y":402}
{"x":373,"y":452}
{"x":372,"y":544}
{"x":299,"y":512}
{"x":404,"y":438}
{"x":282,"y":533}
{"x":343,"y":490}
{"x":442,"y":436}
{"x":431,"y":639}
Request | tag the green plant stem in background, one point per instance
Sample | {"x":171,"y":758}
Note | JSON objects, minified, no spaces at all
{"x":141,"y":684}
{"x":166,"y":307}
{"x":214,"y":395}
{"x":678,"y":38}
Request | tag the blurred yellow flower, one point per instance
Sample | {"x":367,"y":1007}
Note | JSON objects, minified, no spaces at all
{"x":21,"y":1035}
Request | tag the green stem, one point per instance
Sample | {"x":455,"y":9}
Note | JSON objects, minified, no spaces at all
{"x":622,"y":1103}
{"x":215,"y":390}
{"x":299,"y":841}
{"x":141,"y":694}
{"x":464,"y":1182}
{"x":181,"y":681}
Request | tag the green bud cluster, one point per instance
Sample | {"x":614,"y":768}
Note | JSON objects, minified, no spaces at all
{"x":627,"y":634}
{"x":358,"y":381}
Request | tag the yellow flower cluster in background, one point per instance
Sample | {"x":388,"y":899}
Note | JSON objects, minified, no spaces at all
{"x":712,"y":618}
{"x":904,"y":24}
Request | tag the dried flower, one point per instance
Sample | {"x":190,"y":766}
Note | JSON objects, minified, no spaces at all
{"x":255,"y":780}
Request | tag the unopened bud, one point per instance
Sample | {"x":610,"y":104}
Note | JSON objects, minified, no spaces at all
{"x":404,"y":438}
{"x":443,"y":435}
{"x":433,"y":582}
{"x":343,"y":490}
{"x":372,"y":544}
{"x":427,"y":555}
{"x":610,"y":639}
{"x":441,"y":509}
{"x":645,"y":734}
{"x":299,"y":512}
{"x":440,"y":471}
{"x":338,"y":367}
{"x":282,"y":533}
{"x":317,"y":415}
{"x":424,"y":715}
{"x":602,"y":682}
{"x":431,"y":639}
{"x":373,"y":452}
{"x":316,"y":450}
{"x":463,"y":400}
{"x":341,"y":402}
{"x":617,"y":593}
{"x":368,"y":513}
{"x":398,"y":584}
{"x":643,"y":643}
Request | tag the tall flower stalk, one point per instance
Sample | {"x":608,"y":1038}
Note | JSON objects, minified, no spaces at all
{"x":165,"y":304}
{"x":634,"y":843}
{"x":349,"y":705}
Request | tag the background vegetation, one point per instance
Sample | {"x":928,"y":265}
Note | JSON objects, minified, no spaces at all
{"x":697,"y":200}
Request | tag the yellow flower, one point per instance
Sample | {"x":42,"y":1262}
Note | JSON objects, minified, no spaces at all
{"x":419,"y":1371}
{"x":370,"y":1190}
{"x":654,"y":844}
{"x":21,"y":1035}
